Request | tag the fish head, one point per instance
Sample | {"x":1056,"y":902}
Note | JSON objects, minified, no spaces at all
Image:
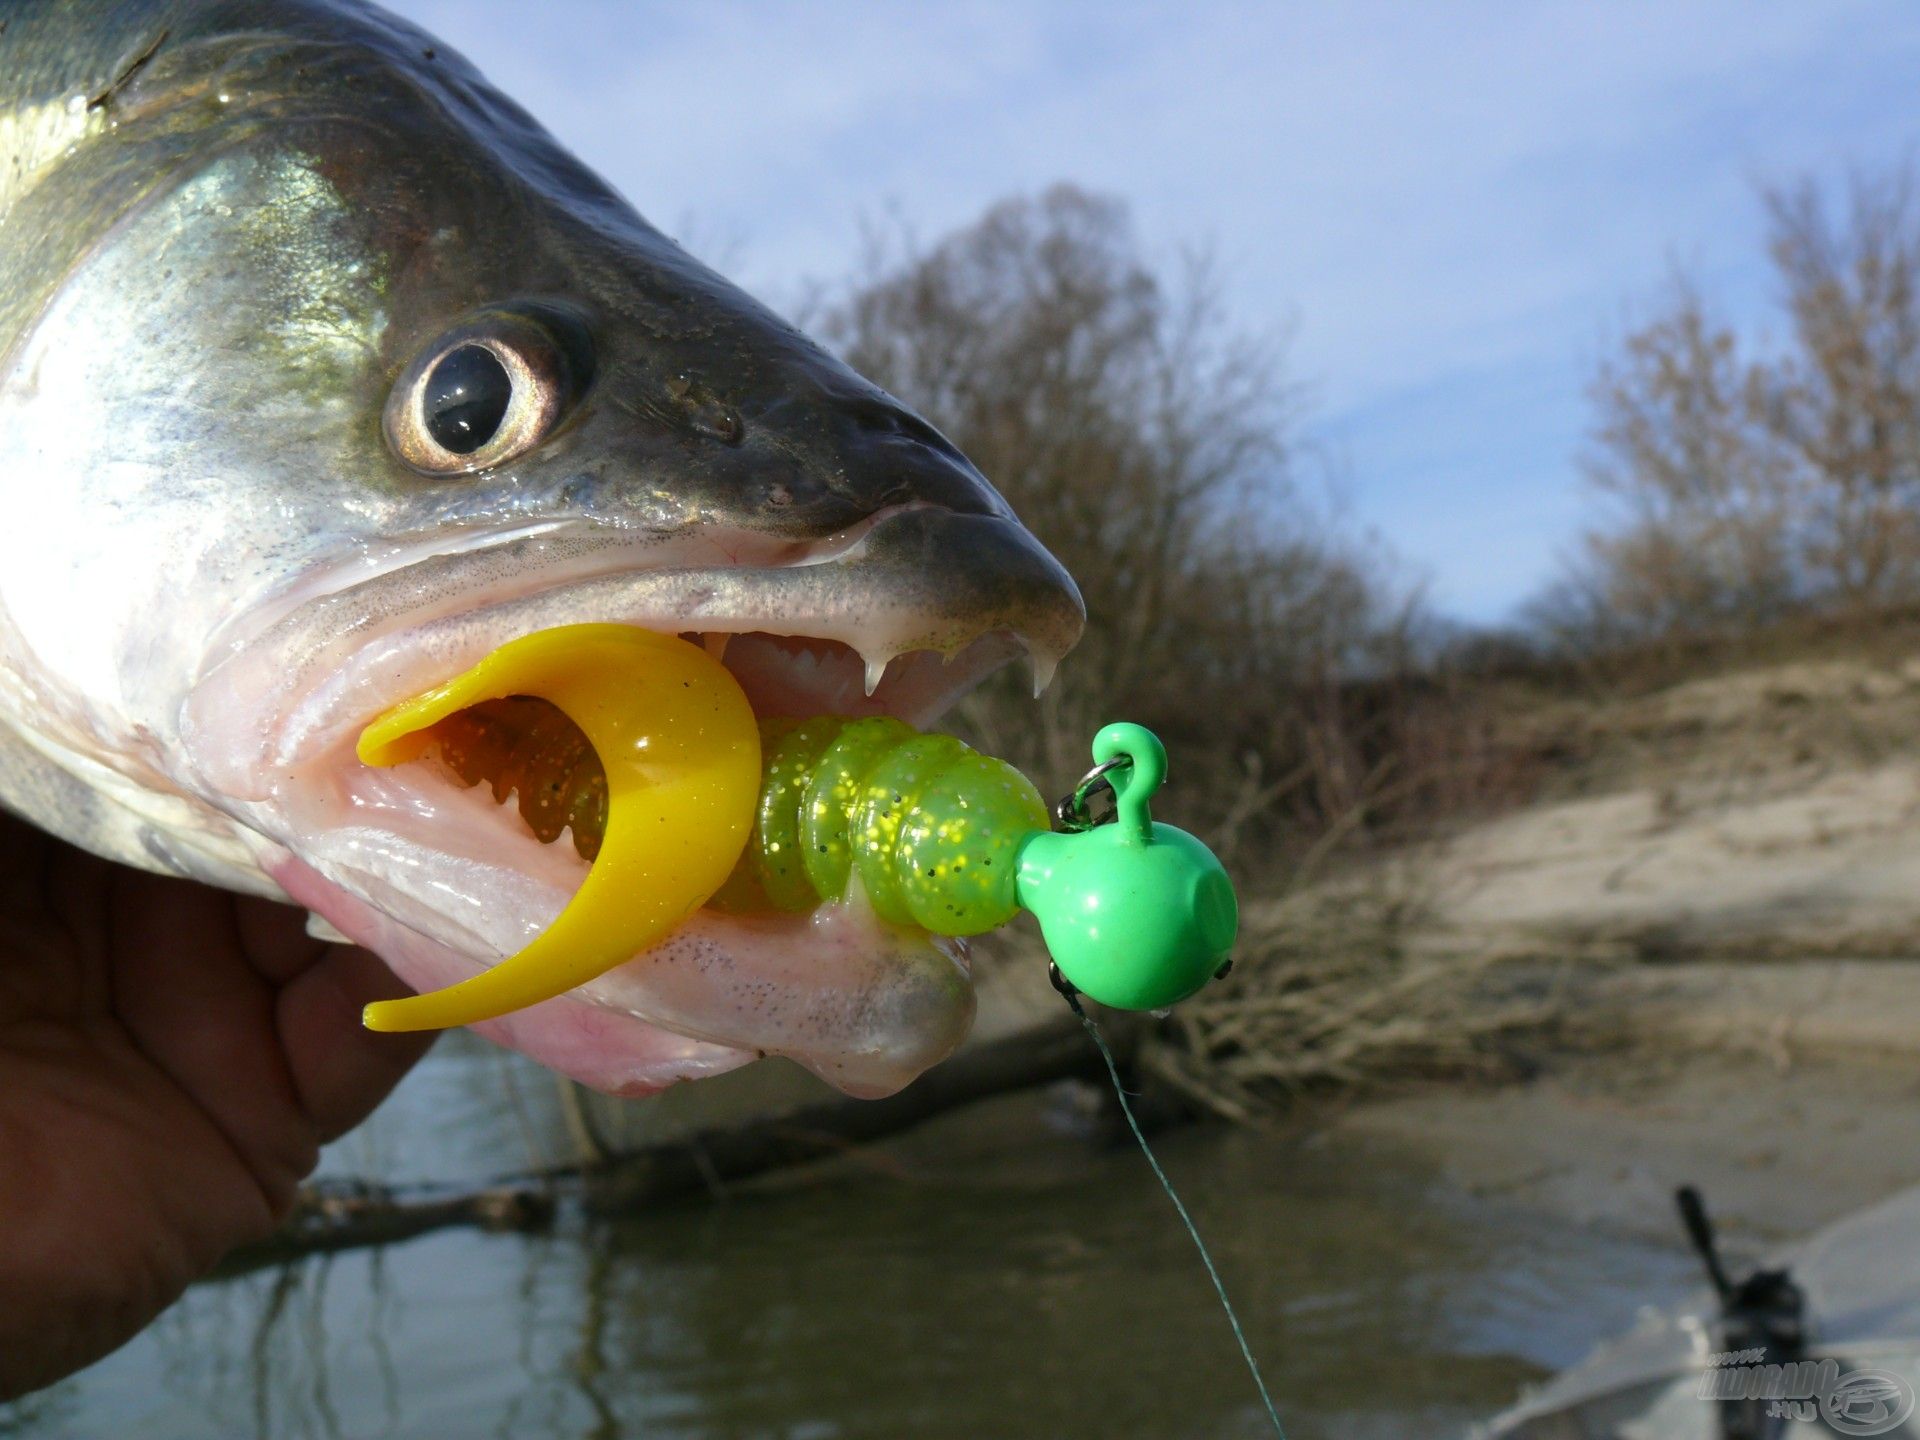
{"x":362,"y":377}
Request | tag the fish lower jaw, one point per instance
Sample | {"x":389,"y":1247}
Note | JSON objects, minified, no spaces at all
{"x":615,"y":1054}
{"x":442,"y":881}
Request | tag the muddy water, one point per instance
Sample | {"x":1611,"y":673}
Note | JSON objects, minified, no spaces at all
{"x":1004,"y":1272}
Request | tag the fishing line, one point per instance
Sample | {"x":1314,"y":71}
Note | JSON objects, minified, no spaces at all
{"x":1193,"y":1231}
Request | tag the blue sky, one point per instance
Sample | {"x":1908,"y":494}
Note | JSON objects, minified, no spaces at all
{"x":1451,"y":207}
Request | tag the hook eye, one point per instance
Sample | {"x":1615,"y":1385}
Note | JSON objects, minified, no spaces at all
{"x":1071,"y":812}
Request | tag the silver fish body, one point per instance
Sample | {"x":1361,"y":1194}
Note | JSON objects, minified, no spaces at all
{"x":231,"y":233}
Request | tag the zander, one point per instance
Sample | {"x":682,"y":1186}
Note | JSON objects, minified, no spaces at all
{"x":324,"y":374}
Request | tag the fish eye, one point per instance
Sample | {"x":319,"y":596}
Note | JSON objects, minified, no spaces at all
{"x":466,"y":398}
{"x":489,"y":391}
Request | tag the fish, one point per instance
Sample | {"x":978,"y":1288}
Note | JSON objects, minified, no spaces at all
{"x":324,"y":372}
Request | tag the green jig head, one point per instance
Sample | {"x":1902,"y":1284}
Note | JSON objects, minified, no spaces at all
{"x":1138,"y":915}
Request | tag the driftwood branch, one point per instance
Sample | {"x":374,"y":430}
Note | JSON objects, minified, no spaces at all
{"x":818,"y":1132}
{"x":347,"y":1216}
{"x":336,"y":1216}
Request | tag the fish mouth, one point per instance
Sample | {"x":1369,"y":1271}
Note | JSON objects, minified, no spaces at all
{"x":444,"y":870}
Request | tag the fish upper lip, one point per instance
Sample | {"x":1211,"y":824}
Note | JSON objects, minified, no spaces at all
{"x":348,"y":641}
{"x":340,"y":585}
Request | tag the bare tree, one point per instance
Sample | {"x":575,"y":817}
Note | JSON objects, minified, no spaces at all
{"x":1843,"y":404}
{"x":1150,"y":445}
{"x":1681,"y":446}
{"x":1750,"y":481}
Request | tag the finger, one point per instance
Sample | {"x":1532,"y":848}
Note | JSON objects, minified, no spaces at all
{"x":341,"y":1070}
{"x":25,"y":854}
{"x":274,"y":938}
{"x":192,"y":1004}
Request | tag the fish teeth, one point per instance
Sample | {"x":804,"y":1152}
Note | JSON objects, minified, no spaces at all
{"x":716,"y":642}
{"x":1044,"y":669}
{"x":320,"y":928}
{"x":876,"y":670}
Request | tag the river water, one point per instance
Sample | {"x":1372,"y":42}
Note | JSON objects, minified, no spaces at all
{"x":1006,"y":1271}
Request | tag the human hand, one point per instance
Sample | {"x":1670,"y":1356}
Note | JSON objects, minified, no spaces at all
{"x":172,"y":1057}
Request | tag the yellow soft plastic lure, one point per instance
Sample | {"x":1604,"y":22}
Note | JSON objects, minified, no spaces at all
{"x":681,"y":752}
{"x":1137,"y":914}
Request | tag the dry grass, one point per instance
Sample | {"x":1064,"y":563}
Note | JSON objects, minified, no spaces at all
{"x":1327,"y":994}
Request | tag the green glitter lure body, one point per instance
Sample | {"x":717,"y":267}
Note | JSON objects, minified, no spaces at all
{"x":927,"y":827}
